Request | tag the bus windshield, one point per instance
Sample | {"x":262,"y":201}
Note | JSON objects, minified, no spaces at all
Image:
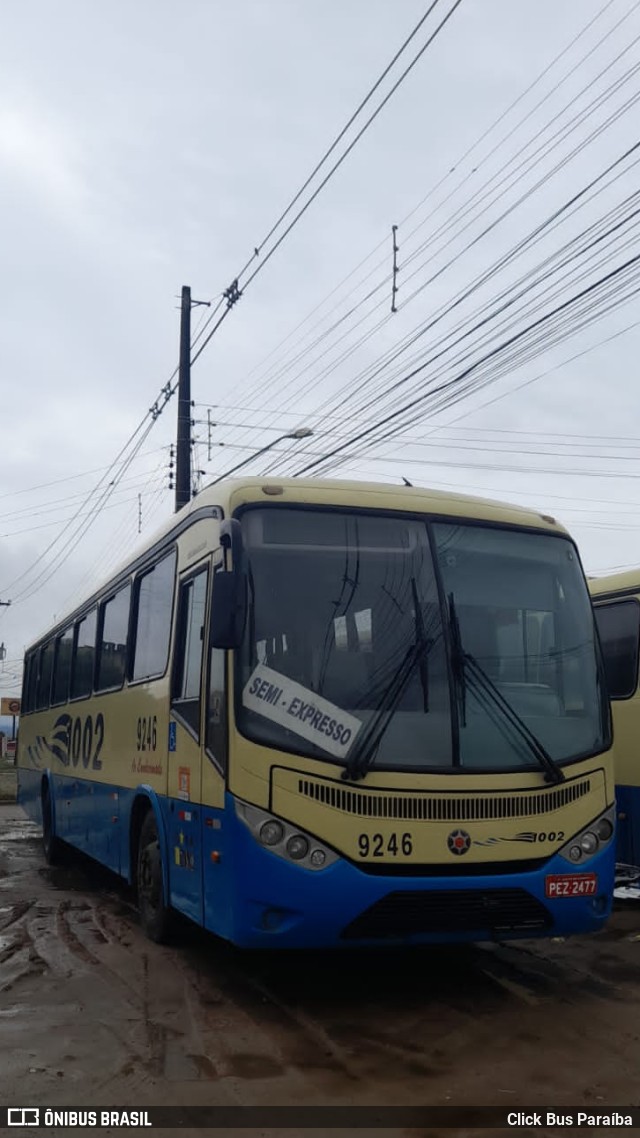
{"x":349,"y":645}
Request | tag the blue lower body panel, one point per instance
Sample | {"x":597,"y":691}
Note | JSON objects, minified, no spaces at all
{"x":278,"y":904}
{"x":217,"y":874}
{"x":30,"y":793}
{"x":628,"y":838}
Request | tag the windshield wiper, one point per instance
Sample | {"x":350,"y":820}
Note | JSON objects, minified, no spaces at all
{"x":358,"y":764}
{"x":421,"y":637}
{"x":458,"y":661}
{"x":468,"y":666}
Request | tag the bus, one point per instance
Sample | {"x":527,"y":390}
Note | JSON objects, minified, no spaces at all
{"x":616,"y":601}
{"x":334,"y":714}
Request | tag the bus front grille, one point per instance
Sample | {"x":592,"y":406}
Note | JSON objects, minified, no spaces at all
{"x":412,"y":913}
{"x":443,"y":807}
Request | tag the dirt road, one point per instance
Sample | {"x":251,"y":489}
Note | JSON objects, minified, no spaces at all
{"x":91,"y":1013}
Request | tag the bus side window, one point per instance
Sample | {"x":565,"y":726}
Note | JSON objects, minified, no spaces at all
{"x":619,"y":627}
{"x":31,"y":681}
{"x":187,"y":671}
{"x":84,"y":652}
{"x":112,"y":641}
{"x":62,"y":667}
{"x":153,"y":607}
{"x":44,"y":679}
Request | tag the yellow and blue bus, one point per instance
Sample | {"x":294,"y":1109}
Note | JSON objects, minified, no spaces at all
{"x":616,"y":601}
{"x":318,"y":713}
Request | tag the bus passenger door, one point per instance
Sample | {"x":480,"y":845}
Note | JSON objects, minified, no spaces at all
{"x":185,"y":748}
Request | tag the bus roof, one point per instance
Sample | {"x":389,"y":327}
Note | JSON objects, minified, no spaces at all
{"x":372,"y":495}
{"x":228,"y":495}
{"x":627,"y":581}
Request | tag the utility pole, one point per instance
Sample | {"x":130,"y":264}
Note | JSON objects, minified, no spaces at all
{"x":183,"y":447}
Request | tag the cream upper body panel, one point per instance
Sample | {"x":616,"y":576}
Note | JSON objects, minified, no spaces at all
{"x":626,"y":583}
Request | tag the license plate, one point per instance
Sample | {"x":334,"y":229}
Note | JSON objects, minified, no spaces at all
{"x":571,"y":885}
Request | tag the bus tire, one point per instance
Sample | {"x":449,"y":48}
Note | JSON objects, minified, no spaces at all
{"x":155,"y":915}
{"x":50,"y":844}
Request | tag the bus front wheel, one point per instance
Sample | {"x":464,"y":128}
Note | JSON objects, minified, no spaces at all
{"x":154,"y":911}
{"x":50,"y":844}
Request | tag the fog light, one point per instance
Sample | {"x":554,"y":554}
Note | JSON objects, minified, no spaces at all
{"x":575,"y":853}
{"x":271,"y":833}
{"x":318,"y":857}
{"x":271,"y":919}
{"x":588,"y":843}
{"x":604,"y":829}
{"x":297,"y":847}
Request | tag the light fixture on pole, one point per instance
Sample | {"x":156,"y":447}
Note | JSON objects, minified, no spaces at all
{"x":301,"y":433}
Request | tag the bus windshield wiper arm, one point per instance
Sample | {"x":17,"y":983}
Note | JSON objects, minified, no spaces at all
{"x":458,"y":661}
{"x":358,"y":763}
{"x":478,"y":678}
{"x":421,"y":636}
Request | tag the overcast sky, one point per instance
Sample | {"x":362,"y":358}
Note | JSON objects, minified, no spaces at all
{"x":151,"y":145}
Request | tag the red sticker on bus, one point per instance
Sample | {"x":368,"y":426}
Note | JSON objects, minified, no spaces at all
{"x":571,"y":885}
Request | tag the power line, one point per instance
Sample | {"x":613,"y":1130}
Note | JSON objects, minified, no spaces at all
{"x":447,"y":385}
{"x":570,"y":206}
{"x":233,"y":293}
{"x":570,"y":247}
{"x":453,"y":169}
{"x":371,"y":92}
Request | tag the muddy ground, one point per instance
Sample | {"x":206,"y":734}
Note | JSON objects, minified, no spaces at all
{"x":92,"y":1014}
{"x":8,"y":782}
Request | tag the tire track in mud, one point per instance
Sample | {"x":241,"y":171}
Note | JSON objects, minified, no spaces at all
{"x":11,"y":914}
{"x":187,"y":1034}
{"x":220,"y":988}
{"x":339,"y":1038}
{"x":543,"y":978}
{"x":302,"y":1040}
{"x":221,"y":999}
{"x":19,"y":955}
{"x":413,"y":1027}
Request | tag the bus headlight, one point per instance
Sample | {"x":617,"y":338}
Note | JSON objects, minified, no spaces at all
{"x":604,"y":829}
{"x":589,"y":843}
{"x":297,"y":847}
{"x":591,"y":840}
{"x":271,"y":833}
{"x":283,"y":839}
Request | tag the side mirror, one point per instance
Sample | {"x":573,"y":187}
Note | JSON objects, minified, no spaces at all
{"x":229,"y":600}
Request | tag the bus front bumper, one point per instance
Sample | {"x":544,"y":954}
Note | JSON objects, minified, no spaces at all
{"x":277,"y":903}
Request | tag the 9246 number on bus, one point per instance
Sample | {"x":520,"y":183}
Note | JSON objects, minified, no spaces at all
{"x":379,"y":845}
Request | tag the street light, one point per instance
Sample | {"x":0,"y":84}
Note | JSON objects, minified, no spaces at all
{"x":301,"y":433}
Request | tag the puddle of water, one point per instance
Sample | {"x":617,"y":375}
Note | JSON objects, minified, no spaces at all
{"x":22,"y":834}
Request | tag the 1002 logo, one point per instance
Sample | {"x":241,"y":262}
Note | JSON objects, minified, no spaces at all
{"x":79,"y":739}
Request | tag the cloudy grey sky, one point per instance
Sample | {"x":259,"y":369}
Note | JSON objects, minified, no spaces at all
{"x":150,"y":145}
